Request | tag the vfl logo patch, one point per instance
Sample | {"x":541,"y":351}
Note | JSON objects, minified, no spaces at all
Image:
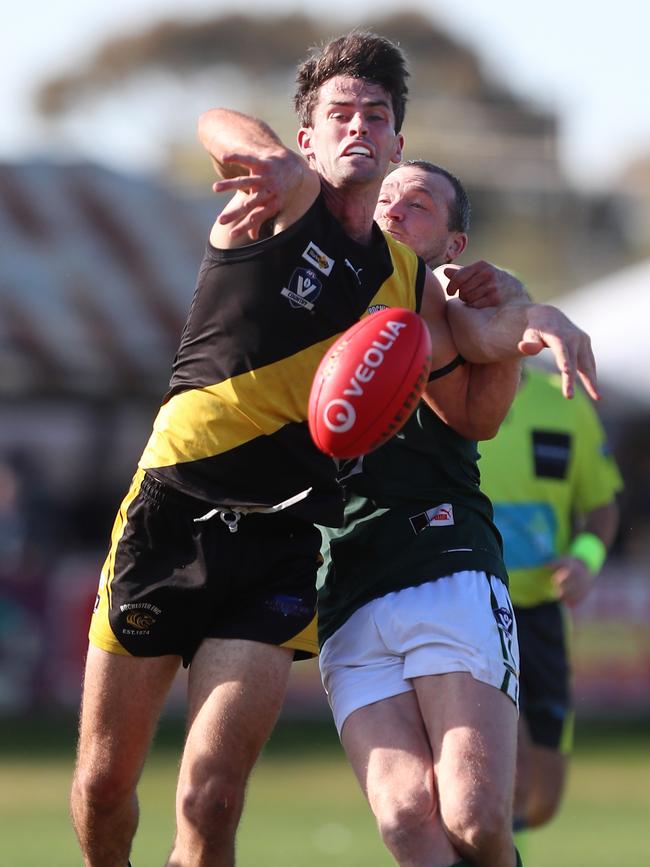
{"x":439,"y":516}
{"x":303,"y":289}
{"x":315,"y":256}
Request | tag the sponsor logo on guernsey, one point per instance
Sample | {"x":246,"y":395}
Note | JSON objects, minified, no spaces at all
{"x":339,"y":414}
{"x":139,"y":617}
{"x":315,"y":256}
{"x":439,"y":516}
{"x":374,"y":308}
{"x":303,"y":289}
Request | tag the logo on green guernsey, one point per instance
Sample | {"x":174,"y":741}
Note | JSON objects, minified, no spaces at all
{"x":438,"y":516}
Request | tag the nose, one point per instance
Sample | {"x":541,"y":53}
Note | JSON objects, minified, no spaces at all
{"x":358,"y":125}
{"x":393,"y":211}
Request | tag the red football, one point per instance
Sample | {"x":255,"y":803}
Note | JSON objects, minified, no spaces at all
{"x":369,"y":382}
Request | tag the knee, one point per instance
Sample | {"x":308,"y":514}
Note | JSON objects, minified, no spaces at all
{"x":102,"y":787}
{"x":211,"y":804}
{"x":541,"y":808}
{"x":480,"y":826}
{"x":400,"y":818}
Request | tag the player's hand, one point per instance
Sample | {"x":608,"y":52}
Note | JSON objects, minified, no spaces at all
{"x":265,"y":191}
{"x":572,"y":579}
{"x":481,"y":284}
{"x":571,"y":347}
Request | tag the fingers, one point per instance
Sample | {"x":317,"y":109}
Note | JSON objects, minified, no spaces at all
{"x":478,"y":285}
{"x":572,"y":354}
{"x":246,"y":183}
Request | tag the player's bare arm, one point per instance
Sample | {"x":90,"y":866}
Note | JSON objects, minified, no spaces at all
{"x":520,"y":328}
{"x":270,"y":181}
{"x":473,"y":399}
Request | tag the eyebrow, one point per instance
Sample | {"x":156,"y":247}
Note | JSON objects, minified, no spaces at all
{"x":370,"y":103}
{"x":417,"y":188}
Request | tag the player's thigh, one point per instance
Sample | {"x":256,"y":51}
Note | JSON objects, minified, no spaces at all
{"x":121,"y":703}
{"x":387,"y":745}
{"x":473,"y":732}
{"x":235,"y":692}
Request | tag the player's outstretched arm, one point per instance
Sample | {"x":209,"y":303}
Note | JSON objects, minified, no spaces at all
{"x":520,"y":328}
{"x":270,"y":181}
{"x":471,"y":398}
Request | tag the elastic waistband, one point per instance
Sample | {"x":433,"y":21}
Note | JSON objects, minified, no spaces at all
{"x":160,"y":492}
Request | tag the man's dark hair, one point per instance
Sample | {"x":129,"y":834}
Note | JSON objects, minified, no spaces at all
{"x":360,"y":54}
{"x":459,"y":209}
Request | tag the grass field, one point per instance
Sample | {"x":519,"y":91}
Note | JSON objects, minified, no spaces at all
{"x":304,"y":808}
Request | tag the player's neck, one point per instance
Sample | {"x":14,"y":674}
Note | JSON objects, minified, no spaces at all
{"x":354,"y":208}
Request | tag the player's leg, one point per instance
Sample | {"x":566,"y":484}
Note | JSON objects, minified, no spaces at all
{"x":465,"y":679}
{"x":380,"y":725}
{"x":387,"y":745}
{"x":546,"y":723}
{"x":122,"y":700}
{"x":541,"y":780}
{"x":472,"y":727}
{"x":236,"y":689}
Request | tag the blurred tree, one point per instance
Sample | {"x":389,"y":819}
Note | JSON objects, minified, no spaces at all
{"x":503,"y":147}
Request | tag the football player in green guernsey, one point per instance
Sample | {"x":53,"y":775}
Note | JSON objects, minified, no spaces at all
{"x":419,"y":644}
{"x":214,"y":551}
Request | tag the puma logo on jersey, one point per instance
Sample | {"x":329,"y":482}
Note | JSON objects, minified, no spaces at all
{"x":439,"y":516}
{"x":355,"y":271}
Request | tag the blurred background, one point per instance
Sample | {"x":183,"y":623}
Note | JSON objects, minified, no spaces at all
{"x":105,"y":206}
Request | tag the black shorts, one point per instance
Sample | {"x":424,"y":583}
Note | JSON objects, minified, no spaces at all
{"x":169,"y":582}
{"x":545,"y":690}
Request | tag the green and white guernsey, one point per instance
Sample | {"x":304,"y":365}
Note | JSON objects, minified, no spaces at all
{"x":414,"y":512}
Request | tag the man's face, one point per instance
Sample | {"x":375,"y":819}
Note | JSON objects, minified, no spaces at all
{"x":413,"y":207}
{"x":352,"y":138}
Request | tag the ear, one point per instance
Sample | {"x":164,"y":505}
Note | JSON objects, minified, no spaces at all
{"x":399,"y":147}
{"x":456,"y":245}
{"x":304,"y":141}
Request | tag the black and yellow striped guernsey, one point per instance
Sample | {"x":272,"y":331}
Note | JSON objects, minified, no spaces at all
{"x":232,"y":428}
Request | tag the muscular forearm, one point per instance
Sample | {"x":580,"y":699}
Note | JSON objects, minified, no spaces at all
{"x":224,"y":133}
{"x":489,"y":334}
{"x":490,"y":391}
{"x":520,"y":328}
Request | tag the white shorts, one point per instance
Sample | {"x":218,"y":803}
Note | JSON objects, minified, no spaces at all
{"x":463,"y":622}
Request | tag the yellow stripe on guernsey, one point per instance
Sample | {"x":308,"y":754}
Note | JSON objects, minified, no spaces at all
{"x":204,"y":422}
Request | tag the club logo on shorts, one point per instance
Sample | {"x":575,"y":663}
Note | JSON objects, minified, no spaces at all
{"x":139,"y":617}
{"x":504,"y":618}
{"x":439,"y":516}
{"x":315,"y":256}
{"x":304,"y":288}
